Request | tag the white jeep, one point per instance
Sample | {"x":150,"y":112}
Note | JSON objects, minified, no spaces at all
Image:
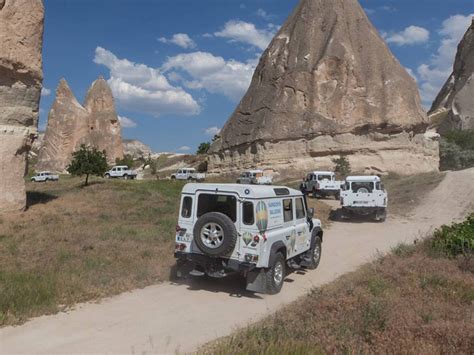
{"x":45,"y":176}
{"x":254,"y":177}
{"x":257,"y":231}
{"x":121,"y":171}
{"x":189,"y":174}
{"x":323,"y":184}
{"x":364,"y":196}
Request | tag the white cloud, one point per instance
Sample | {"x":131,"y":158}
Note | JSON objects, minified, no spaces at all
{"x":180,"y":39}
{"x":409,"y":36}
{"x":265,"y":15}
{"x":45,"y":92}
{"x":127,"y":122}
{"x":245,"y":32}
{"x":212,"y":131}
{"x":139,"y":88}
{"x":412,"y":74}
{"x":184,"y":148}
{"x":434,"y":74}
{"x":214,"y":74}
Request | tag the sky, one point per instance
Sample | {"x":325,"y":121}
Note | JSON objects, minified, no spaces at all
{"x":178,"y":68}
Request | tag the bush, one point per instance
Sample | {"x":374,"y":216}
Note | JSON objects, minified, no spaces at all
{"x":126,"y":160}
{"x":457,"y":150}
{"x":454,"y":240}
{"x":342,"y":166}
{"x":203,"y":148}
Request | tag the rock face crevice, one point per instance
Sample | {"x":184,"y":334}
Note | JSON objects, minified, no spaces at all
{"x":326,"y":73}
{"x":453,"y":108}
{"x":70,"y":124}
{"x":21,"y":39}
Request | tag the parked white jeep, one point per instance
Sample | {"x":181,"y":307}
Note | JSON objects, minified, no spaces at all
{"x":189,"y":174}
{"x":323,"y":184}
{"x":121,"y":171}
{"x":254,"y":177}
{"x":257,"y":231}
{"x":364,"y":196}
{"x":45,"y":176}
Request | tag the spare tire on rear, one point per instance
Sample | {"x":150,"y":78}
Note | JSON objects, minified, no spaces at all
{"x":215,"y":234}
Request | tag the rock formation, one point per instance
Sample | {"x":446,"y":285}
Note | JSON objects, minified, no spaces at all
{"x":328,"y":85}
{"x":453,"y":109}
{"x":70,"y":125}
{"x":136,"y":149}
{"x":21,"y":39}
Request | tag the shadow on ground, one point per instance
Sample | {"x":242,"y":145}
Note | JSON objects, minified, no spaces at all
{"x":37,"y":198}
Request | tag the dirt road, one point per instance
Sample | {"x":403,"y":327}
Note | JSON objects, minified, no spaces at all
{"x":170,"y":317}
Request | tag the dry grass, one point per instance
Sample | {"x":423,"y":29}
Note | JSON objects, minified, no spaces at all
{"x":406,"y":192}
{"x":79,"y":244}
{"x":409,"y":302}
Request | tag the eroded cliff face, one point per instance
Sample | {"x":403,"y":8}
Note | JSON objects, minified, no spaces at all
{"x":21,"y":38}
{"x":326,"y":76}
{"x":67,"y":126}
{"x":453,"y":108}
{"x":70,"y":124}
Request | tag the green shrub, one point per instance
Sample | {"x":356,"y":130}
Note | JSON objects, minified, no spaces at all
{"x":454,"y":240}
{"x":457,"y":150}
{"x":342,"y":166}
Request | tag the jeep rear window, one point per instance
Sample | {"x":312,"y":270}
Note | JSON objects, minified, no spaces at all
{"x":356,"y":186}
{"x":187,"y":209}
{"x":322,"y":177}
{"x":248,"y":213}
{"x":225,"y":204}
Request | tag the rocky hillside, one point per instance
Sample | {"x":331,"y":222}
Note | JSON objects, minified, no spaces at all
{"x":21,"y":40}
{"x":70,"y":124}
{"x":453,"y":109}
{"x":328,"y":85}
{"x":136,"y":149}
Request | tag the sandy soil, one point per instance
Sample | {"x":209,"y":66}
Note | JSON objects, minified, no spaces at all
{"x":180,"y":317}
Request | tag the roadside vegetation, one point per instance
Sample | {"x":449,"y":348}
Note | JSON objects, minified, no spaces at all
{"x":419,"y":299}
{"x":457,"y":150}
{"x":77,"y":244}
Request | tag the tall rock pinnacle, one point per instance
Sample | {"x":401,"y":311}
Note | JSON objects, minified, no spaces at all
{"x":21,"y":40}
{"x":453,"y":109}
{"x":67,"y":126}
{"x":328,"y":85}
{"x":70,"y":125}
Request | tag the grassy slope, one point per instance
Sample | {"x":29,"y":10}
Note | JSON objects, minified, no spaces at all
{"x":85,"y":243}
{"x":408,"y":302}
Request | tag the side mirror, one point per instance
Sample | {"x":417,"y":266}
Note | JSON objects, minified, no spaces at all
{"x":310,"y":213}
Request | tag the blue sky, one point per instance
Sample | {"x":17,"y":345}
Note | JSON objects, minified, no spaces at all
{"x":178,"y":68}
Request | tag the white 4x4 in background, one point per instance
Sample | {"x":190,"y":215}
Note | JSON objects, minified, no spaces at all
{"x":121,"y":171}
{"x":364,"y":196}
{"x":257,"y":231}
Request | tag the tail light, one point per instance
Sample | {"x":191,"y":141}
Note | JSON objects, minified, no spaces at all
{"x":317,"y":185}
{"x":178,"y":228}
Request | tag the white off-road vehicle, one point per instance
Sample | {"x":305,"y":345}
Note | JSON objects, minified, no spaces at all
{"x":189,"y":174}
{"x":257,"y":231}
{"x":364,"y":196}
{"x":121,"y":171}
{"x":323,"y":184}
{"x":45,"y":176}
{"x":254,"y":177}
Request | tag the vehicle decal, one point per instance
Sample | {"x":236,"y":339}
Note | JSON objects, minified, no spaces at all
{"x":293,"y":241}
{"x":247,"y":237}
{"x":262,"y":216}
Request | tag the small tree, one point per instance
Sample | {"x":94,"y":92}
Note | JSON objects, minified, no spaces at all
{"x":203,"y":148}
{"x":342,"y":166}
{"x":88,"y":161}
{"x":126,"y":160}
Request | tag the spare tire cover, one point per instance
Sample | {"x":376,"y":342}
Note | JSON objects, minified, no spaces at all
{"x":363,"y":190}
{"x":215,"y":234}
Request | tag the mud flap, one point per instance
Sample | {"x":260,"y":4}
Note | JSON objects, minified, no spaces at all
{"x":256,"y":281}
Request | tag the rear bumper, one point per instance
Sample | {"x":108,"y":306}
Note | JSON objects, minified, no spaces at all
{"x":364,"y":210}
{"x":211,"y":265}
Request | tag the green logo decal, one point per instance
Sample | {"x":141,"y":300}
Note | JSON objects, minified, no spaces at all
{"x":262,"y":216}
{"x":247,"y":237}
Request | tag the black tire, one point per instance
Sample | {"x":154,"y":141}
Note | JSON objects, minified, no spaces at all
{"x":125,"y":177}
{"x":274,"y":283}
{"x":316,"y":246}
{"x":107,"y":176}
{"x":225,"y":243}
{"x":173,"y":178}
{"x":337,"y":196}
